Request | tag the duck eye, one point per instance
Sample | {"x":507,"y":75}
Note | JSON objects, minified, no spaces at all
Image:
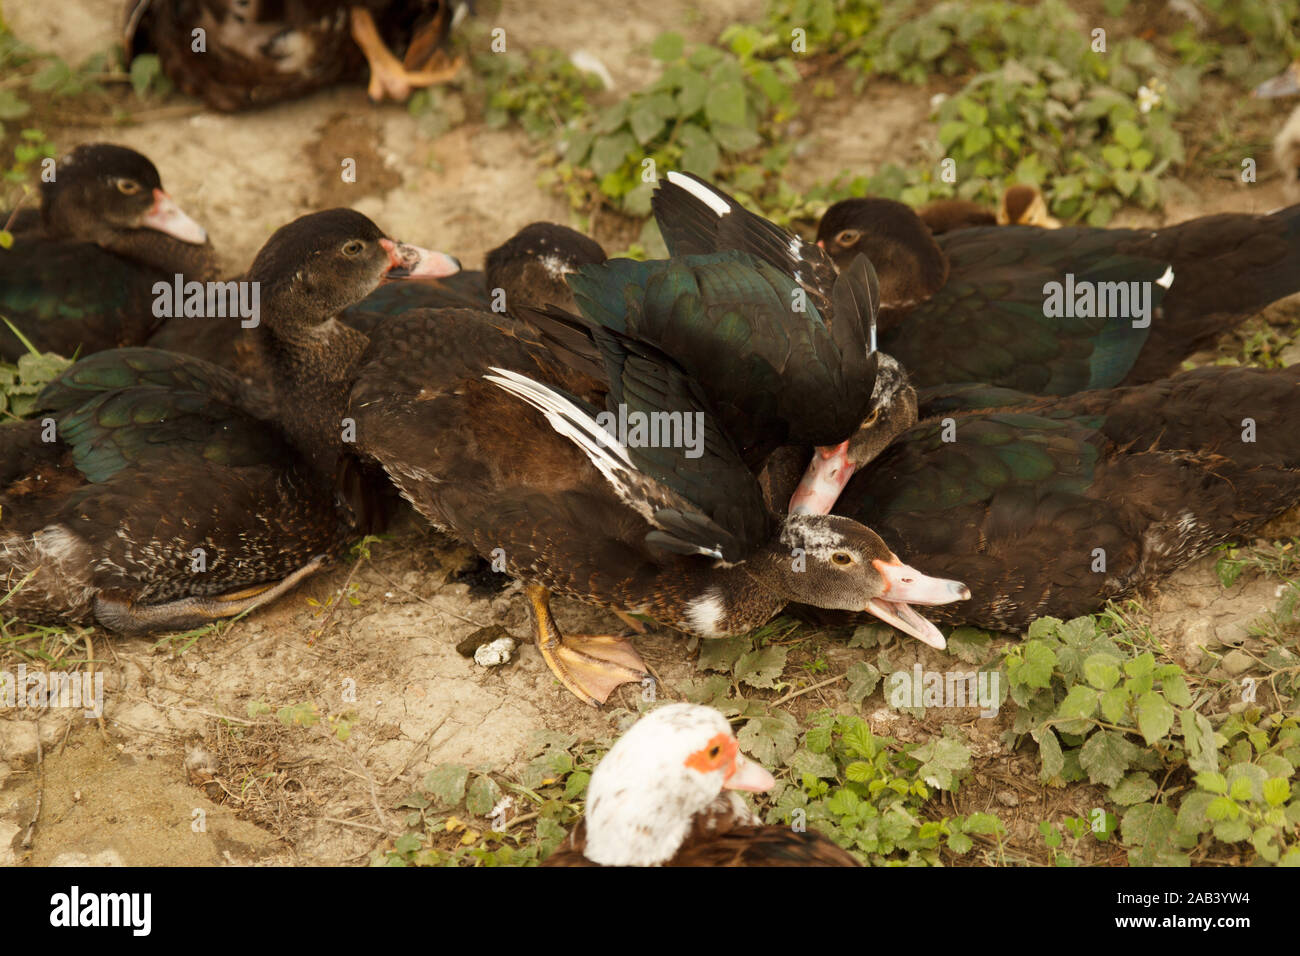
{"x":353,"y":247}
{"x":714,"y":751}
{"x":842,"y":558}
{"x":872,"y":418}
{"x":849,"y":237}
{"x":127,"y":187}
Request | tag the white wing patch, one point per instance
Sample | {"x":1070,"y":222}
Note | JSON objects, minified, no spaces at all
{"x":701,"y":192}
{"x":606,"y":452}
{"x":1166,"y":280}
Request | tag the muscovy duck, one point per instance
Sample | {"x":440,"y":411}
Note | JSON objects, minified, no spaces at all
{"x":146,"y":498}
{"x":667,"y":794}
{"x":81,"y":273}
{"x":977,"y":305}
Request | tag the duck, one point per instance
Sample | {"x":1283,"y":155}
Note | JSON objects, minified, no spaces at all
{"x":1054,"y":505}
{"x":146,"y":497}
{"x":834,"y":388}
{"x":668,"y":794}
{"x":989,"y":305}
{"x":81,"y":273}
{"x":1286,"y":146}
{"x":674,"y":529}
{"x":1021,"y":204}
{"x":257,"y":52}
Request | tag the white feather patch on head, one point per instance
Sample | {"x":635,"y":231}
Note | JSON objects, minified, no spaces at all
{"x":1166,"y":280}
{"x":814,"y":534}
{"x":642,"y":796}
{"x":701,"y":192}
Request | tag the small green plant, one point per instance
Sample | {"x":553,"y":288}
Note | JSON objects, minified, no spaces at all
{"x":1104,"y":710}
{"x":869,"y":793}
{"x":709,"y":108}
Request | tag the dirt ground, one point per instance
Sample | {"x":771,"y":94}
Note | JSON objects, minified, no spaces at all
{"x":178,"y":772}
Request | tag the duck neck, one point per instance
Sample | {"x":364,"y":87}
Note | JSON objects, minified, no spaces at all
{"x":314,"y":367}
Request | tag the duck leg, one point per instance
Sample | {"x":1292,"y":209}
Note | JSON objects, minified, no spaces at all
{"x":388,"y":76}
{"x":589,"y":665}
{"x":128,"y":617}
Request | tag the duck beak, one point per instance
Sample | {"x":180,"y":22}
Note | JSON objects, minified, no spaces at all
{"x":1285,"y":84}
{"x":406,"y":261}
{"x":165,"y":216}
{"x":905,"y":586}
{"x":748,"y":776}
{"x":827,"y":474}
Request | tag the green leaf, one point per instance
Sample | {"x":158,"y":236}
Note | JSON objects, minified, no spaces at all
{"x":1134,"y":788}
{"x":447,"y":783}
{"x":725,"y":104}
{"x":609,"y":152}
{"x":1212,"y":782}
{"x":668,"y":46}
{"x":1240,"y":789}
{"x":815,"y":764}
{"x":1151,"y":828}
{"x":721,"y":653}
{"x":645,"y":122}
{"x":859,"y":739}
{"x":985,"y":823}
{"x":969,"y":644}
{"x":770,"y":739}
{"x":1036,"y":671}
{"x":761,"y":668}
{"x":859,"y":772}
{"x":959,"y":842}
{"x":1176,"y":692}
{"x":863,"y":678}
{"x":1128,"y":135}
{"x":1079,"y":703}
{"x":1113,"y":703}
{"x":699,"y":151}
{"x":1049,"y":752}
{"x":735,"y":139}
{"x":690,"y":97}
{"x":1105,"y":756}
{"x":941,"y":759}
{"x":1154,"y":716}
{"x":1276,"y":791}
{"x":482,"y":796}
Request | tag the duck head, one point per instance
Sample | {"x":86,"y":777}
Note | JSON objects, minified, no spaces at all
{"x":894,"y":411}
{"x":112,"y":196}
{"x":321,"y":263}
{"x":530,"y":267}
{"x":673,"y":764}
{"x":907,"y":260}
{"x":833,"y":562}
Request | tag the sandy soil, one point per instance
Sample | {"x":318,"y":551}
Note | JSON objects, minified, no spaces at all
{"x":179,"y":772}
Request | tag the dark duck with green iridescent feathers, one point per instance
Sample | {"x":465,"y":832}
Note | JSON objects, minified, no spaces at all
{"x":146,"y":496}
{"x":1054,"y":505}
{"x":972,"y":305}
{"x":81,"y":272}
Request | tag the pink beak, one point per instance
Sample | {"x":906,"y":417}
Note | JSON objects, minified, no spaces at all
{"x":749,"y":776}
{"x":406,"y":261}
{"x":827,"y":474}
{"x":165,"y":216}
{"x":905,"y":586}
